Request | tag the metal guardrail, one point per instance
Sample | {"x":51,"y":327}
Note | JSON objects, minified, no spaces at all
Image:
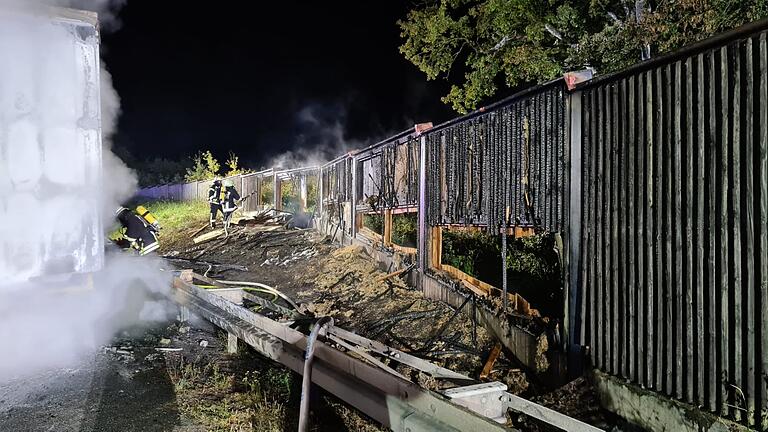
{"x":369,"y":385}
{"x":392,"y":401}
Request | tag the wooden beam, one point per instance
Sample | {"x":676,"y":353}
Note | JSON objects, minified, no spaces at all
{"x":515,"y":301}
{"x":370,"y":234}
{"x":393,"y":274}
{"x":387,"y":227}
{"x":208,"y":236}
{"x":196,"y":233}
{"x":404,"y":210}
{"x":492,"y":357}
{"x":517,"y":231}
{"x":524,"y":231}
{"x":404,"y":249}
{"x":436,"y":248}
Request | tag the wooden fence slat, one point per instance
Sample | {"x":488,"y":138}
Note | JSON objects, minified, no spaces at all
{"x":658,"y":296}
{"x":689,"y":318}
{"x":736,"y":223}
{"x":623,"y":283}
{"x":763,"y":197}
{"x":700,"y":265}
{"x":630,"y":227}
{"x":640,"y":232}
{"x":748,"y":223}
{"x":677,"y":224}
{"x":594,"y":222}
{"x":667,"y":236}
{"x":713,"y":372}
{"x":614,"y":242}
{"x":724,"y":232}
{"x":583,"y":264}
{"x":599,"y":251}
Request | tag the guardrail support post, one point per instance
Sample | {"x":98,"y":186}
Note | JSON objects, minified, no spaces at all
{"x":231,"y":343}
{"x":183,"y":314}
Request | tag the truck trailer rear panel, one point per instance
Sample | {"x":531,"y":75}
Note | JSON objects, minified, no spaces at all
{"x":50,"y":145}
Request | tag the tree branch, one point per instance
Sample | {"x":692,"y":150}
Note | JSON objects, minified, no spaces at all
{"x":500,"y":44}
{"x":554,"y":32}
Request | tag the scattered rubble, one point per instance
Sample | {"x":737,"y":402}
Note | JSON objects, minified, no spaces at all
{"x":348,"y":285}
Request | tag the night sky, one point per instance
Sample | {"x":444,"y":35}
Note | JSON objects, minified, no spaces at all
{"x":237,"y":75}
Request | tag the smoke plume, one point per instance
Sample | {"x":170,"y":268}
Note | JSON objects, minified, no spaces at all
{"x":321,"y":137}
{"x":58,"y":192}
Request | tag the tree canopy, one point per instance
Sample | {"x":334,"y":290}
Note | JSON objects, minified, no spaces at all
{"x":204,"y":167}
{"x":483,"y":46}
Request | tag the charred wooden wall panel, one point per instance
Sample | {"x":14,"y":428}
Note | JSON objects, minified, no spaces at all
{"x":388,"y":174}
{"x":503,"y":167}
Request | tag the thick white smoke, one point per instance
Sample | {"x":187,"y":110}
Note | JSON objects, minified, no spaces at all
{"x":321,"y":137}
{"x":58,"y":190}
{"x":120,"y":181}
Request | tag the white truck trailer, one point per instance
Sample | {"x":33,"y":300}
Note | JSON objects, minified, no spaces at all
{"x":50,"y":144}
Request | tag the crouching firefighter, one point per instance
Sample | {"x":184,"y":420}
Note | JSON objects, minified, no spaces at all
{"x":215,"y":197}
{"x":229,"y":203}
{"x":138,"y":232}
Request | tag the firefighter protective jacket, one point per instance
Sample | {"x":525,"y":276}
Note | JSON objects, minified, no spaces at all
{"x":215,"y":194}
{"x":230,"y":197}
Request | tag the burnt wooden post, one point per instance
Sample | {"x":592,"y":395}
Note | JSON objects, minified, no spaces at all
{"x":422,"y":239}
{"x":278,"y":192}
{"x":575,"y":327}
{"x":303,"y":192}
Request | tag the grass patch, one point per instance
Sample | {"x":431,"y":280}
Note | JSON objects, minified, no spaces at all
{"x":179,"y":215}
{"x":223,"y":402}
{"x":246,"y":393}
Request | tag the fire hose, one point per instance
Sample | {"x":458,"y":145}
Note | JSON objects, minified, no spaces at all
{"x":306,"y":381}
{"x":263,"y":286}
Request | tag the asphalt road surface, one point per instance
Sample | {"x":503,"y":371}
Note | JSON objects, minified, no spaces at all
{"x":103,"y":393}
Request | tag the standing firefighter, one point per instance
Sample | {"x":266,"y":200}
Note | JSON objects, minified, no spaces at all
{"x":229,"y":204}
{"x":137,"y":231}
{"x":215,"y":197}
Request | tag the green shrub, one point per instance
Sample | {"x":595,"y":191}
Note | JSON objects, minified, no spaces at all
{"x":374,"y":222}
{"x":533,"y":268}
{"x":405,"y":229}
